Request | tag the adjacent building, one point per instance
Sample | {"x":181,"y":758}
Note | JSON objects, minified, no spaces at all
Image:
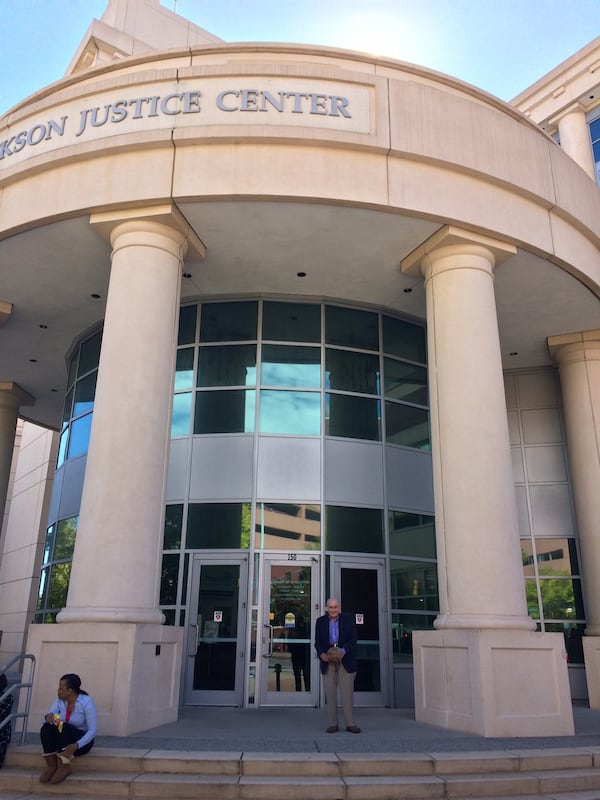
{"x":281,"y":322}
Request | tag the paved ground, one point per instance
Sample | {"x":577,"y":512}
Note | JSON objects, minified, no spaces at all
{"x":287,"y":730}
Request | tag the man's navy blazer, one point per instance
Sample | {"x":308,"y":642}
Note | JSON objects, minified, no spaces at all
{"x":347,"y":640}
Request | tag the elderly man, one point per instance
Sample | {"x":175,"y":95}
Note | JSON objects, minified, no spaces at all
{"x":335,"y":643}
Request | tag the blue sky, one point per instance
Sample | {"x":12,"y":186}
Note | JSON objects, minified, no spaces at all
{"x":501,"y":46}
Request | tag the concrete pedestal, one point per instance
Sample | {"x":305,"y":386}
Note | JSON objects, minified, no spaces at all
{"x":591,"y":655}
{"x":493,"y":683}
{"x":131,"y":670}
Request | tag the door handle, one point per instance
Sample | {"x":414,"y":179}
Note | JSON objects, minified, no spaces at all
{"x":270,"y":629}
{"x":193,"y":625}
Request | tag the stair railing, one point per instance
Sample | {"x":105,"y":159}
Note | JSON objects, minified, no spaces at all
{"x":14,"y":689}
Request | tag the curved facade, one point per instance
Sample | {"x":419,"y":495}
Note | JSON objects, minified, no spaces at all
{"x":307,"y":307}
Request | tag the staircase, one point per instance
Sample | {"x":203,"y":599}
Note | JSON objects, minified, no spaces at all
{"x":561,"y":774}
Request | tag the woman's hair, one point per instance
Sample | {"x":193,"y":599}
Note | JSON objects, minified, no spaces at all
{"x":73,"y":682}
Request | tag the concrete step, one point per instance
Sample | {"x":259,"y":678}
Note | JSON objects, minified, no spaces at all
{"x":108,"y":774}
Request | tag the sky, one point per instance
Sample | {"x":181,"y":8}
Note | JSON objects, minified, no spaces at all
{"x":501,"y":46}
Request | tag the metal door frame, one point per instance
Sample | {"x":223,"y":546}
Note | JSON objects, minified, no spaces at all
{"x":208,"y":697}
{"x":366,"y":562}
{"x":264,"y":697}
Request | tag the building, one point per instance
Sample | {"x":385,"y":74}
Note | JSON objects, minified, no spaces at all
{"x":291,"y":321}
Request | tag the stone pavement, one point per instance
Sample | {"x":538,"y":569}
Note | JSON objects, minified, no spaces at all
{"x":302,"y":730}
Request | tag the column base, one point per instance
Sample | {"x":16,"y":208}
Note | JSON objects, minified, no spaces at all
{"x":131,"y":670}
{"x":493,"y":683}
{"x":591,"y":656}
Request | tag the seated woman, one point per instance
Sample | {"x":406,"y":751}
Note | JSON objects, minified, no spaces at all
{"x":69,"y":729}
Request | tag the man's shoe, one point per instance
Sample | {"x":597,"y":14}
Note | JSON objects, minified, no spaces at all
{"x":353,"y":729}
{"x":332,"y":729}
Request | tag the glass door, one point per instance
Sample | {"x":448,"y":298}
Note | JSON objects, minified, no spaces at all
{"x":289,"y":667}
{"x":359,"y":585}
{"x":216,"y":631}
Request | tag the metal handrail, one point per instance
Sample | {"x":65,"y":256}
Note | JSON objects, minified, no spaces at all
{"x":13,"y":688}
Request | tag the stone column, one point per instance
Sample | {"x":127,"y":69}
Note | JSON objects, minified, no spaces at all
{"x":575,"y":139}
{"x":577,"y":356}
{"x":484,"y":669}
{"x":111,"y":628}
{"x":12,"y":397}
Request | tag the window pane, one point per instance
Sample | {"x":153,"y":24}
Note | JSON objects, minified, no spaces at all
{"x":66,"y":531}
{"x":414,"y":585}
{"x":290,"y":366}
{"x":59,"y":585}
{"x":187,"y":325}
{"x":85,"y":390}
{"x":68,"y":407}
{"x":287,"y":526}
{"x":354,"y":529}
{"x":353,"y":417}
{"x":228,"y":322}
{"x":182,"y":413}
{"x":407,"y":426}
{"x":352,"y":372}
{"x":290,"y":412}
{"x":403,"y":339}
{"x":43,"y":589}
{"x":80,"y":436}
{"x":218,"y":525}
{"x":554,"y":556}
{"x":230,"y":365}
{"x":403,"y":626}
{"x":89,"y":354}
{"x":405,"y":382}
{"x":411,"y":535}
{"x":291,"y":322}
{"x":48,"y":545}
{"x":62,"y":448}
{"x":168,"y":579}
{"x":349,"y":327}
{"x":184,"y":368}
{"x":533,"y":607}
{"x":173,"y":523}
{"x":561,"y":598}
{"x":73,"y":369}
{"x":573,"y":634}
{"x":229,"y":411}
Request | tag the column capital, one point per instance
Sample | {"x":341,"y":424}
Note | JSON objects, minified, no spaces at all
{"x":573,"y":347}
{"x":450,"y":240}
{"x":166,"y":215}
{"x":13,"y":396}
{"x":573,"y":108}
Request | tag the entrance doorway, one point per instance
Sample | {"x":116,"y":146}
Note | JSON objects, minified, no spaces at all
{"x":359,"y":584}
{"x":288,"y":663}
{"x":216,"y":635}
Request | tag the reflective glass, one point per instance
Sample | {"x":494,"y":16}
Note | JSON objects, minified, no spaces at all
{"x":66,"y":531}
{"x":291,"y":366}
{"x":553,"y":556}
{"x":67,"y":411}
{"x":351,"y":372}
{"x":73,"y":369}
{"x":80,"y":436}
{"x":291,"y":322}
{"x":287,"y":526}
{"x":59,"y":585}
{"x":43,"y":588}
{"x":184,"y":368}
{"x":85,"y":391}
{"x":227,"y":365}
{"x":403,"y":339}
{"x":533,"y":606}
{"x":356,"y":530}
{"x":352,"y":417}
{"x":405,"y":381}
{"x":187,"y":325}
{"x":182,"y":413}
{"x":403,"y":626}
{"x":218,"y":525}
{"x":228,"y":322}
{"x":573,"y":633}
{"x":349,"y":327}
{"x":414,"y":585}
{"x":89,"y":354}
{"x":173,"y":524}
{"x":62,"y":448}
{"x":48,"y":545}
{"x":407,"y":425}
{"x":168,"y":579}
{"x":290,"y":412}
{"x":561,"y":598}
{"x":411,"y":535}
{"x":230,"y":411}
